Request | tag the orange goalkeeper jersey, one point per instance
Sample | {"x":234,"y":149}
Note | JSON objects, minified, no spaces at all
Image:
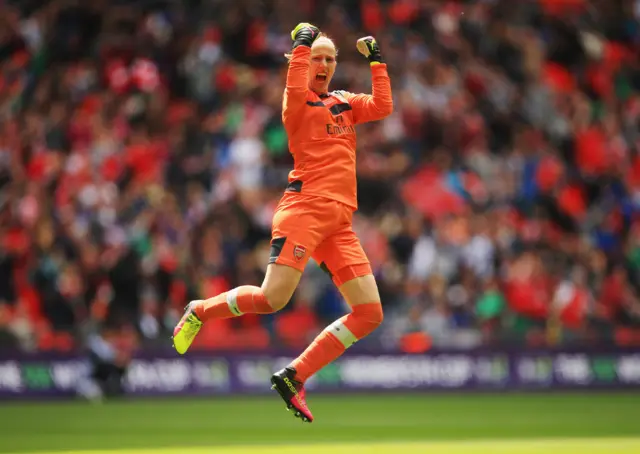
{"x":321,"y":130}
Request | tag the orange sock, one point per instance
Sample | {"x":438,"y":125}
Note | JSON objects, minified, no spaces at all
{"x":246,"y":299}
{"x":336,"y":338}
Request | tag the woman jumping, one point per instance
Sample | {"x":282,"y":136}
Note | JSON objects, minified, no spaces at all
{"x":314,"y":216}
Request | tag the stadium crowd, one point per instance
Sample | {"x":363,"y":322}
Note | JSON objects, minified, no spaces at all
{"x":142,"y":154}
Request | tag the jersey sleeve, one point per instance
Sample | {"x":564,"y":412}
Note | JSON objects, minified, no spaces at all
{"x":377,"y":105}
{"x":297,"y":86}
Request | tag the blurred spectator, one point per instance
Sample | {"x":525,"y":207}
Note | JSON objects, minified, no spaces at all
{"x":109,"y":353}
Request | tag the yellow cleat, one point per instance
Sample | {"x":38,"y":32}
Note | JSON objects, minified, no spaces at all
{"x":186,"y":329}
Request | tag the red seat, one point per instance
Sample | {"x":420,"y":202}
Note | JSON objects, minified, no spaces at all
{"x":418,"y":342}
{"x":624,"y":337}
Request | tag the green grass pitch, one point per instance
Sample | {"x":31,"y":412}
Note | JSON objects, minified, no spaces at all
{"x":594,"y":423}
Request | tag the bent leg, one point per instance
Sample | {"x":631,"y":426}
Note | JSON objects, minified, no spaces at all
{"x":359,"y":288}
{"x":291,"y":248}
{"x":277,"y":288}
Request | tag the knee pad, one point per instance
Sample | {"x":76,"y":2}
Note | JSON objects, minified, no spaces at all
{"x":371,"y":313}
{"x":362,"y":321}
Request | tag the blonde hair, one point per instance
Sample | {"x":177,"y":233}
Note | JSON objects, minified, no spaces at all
{"x":289,"y":55}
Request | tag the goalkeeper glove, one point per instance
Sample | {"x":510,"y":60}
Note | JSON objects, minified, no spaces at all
{"x":368,"y":47}
{"x":304,"y":34}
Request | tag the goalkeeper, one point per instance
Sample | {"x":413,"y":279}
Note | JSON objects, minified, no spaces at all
{"x":314,"y":216}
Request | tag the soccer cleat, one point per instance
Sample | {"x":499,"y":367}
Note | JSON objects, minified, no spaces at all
{"x":186,"y":329}
{"x":292,"y":392}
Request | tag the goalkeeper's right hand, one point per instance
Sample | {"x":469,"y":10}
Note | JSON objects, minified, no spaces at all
{"x":304,"y":34}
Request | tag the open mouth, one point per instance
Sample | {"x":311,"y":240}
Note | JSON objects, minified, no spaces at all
{"x":321,"y":77}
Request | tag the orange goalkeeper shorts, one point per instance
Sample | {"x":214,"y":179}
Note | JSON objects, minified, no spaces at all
{"x":307,"y":227}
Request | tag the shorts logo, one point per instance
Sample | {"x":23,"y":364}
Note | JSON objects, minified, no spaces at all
{"x":299,"y":252}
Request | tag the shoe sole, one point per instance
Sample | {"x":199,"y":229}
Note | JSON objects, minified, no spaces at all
{"x":297,"y":413}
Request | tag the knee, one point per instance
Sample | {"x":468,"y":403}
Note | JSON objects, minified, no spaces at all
{"x":370,"y":313}
{"x":362,"y":321}
{"x":277,"y":300}
{"x":279,"y":285}
{"x":377,"y":317}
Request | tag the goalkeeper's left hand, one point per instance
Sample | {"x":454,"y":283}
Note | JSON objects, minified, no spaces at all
{"x":368,"y":46}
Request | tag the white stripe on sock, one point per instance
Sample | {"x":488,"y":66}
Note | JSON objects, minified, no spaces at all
{"x":232,"y":302}
{"x":342,"y":333}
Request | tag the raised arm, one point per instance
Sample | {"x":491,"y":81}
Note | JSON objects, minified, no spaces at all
{"x":379,"y":103}
{"x":297,"y":85}
{"x":295,"y":92}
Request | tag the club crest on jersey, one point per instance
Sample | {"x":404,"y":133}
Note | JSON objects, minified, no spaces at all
{"x":299,"y":252}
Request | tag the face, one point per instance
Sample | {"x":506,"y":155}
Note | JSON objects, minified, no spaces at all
{"x":323,"y":64}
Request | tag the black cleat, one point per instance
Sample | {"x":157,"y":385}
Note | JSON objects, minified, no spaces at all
{"x":292,"y":392}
